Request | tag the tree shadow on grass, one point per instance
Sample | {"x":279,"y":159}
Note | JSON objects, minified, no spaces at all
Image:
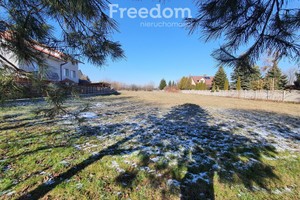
{"x":114,"y":149}
{"x":10,"y":116}
{"x":206,"y":152}
{"x":183,"y":140}
{"x":126,"y":178}
{"x":283,"y":126}
{"x":34,"y":151}
{"x":32,"y":174}
{"x":26,"y":123}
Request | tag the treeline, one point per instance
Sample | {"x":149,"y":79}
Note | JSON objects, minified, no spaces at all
{"x":163,"y":84}
{"x":247,"y":77}
{"x":131,"y":87}
{"x":185,"y":83}
{"x":244,"y":77}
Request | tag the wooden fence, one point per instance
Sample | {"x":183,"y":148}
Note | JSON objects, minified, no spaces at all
{"x":94,"y":90}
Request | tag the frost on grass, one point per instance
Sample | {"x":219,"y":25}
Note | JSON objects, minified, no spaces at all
{"x":88,"y":115}
{"x":177,"y":137}
{"x":180,"y":146}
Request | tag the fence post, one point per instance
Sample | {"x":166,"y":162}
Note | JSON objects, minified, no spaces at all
{"x":283,"y":96}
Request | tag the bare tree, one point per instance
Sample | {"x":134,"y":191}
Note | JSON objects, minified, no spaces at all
{"x":291,"y":74}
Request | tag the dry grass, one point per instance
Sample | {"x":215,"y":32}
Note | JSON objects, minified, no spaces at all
{"x":171,"y":99}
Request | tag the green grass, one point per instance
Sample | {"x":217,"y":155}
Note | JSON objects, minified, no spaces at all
{"x":53,"y":159}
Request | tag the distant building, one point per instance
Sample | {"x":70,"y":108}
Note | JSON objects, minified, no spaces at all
{"x":203,"y":79}
{"x":83,"y":79}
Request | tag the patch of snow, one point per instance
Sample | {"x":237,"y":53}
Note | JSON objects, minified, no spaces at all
{"x":156,"y":159}
{"x":79,"y":185}
{"x":10,"y":193}
{"x":172,"y":182}
{"x":100,"y":105}
{"x":115,"y":165}
{"x":49,"y":182}
{"x":276,"y":191}
{"x":88,"y":115}
{"x":195,"y":177}
{"x":64,"y":162}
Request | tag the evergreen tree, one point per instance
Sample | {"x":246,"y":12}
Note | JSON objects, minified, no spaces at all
{"x":173,"y":83}
{"x":162,"y":84}
{"x":169,"y":84}
{"x":274,"y":78}
{"x":220,"y":78}
{"x":201,"y":86}
{"x":213,"y":87}
{"x":226,"y":86}
{"x":265,"y":24}
{"x":297,"y":82}
{"x":185,"y":83}
{"x":204,"y":86}
{"x":246,"y":73}
{"x":9,"y":89}
{"x":258,"y":85}
{"x":239,"y":85}
{"x":83,"y":30}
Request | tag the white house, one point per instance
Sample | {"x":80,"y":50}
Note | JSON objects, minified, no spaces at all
{"x":60,"y":66}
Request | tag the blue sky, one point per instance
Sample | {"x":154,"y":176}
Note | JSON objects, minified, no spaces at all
{"x":153,"y":53}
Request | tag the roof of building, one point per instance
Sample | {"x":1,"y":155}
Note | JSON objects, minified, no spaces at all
{"x":66,"y":80}
{"x":83,"y":76}
{"x":208,"y":79}
{"x":99,"y":84}
{"x":44,"y":49}
{"x":84,"y":82}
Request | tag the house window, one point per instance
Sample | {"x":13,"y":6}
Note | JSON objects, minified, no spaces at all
{"x":67,"y":73}
{"x":73,"y":74}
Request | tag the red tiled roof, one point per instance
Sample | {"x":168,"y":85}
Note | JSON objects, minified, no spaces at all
{"x":43,"y":48}
{"x":66,"y":80}
{"x":208,"y":79}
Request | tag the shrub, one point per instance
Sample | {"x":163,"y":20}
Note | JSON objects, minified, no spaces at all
{"x":226,"y":85}
{"x":238,"y":84}
{"x":257,"y":85}
{"x":213,"y":87}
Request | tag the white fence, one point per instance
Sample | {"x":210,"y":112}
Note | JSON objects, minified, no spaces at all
{"x":277,"y":95}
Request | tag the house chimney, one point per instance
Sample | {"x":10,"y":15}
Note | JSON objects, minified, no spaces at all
{"x":204,"y":75}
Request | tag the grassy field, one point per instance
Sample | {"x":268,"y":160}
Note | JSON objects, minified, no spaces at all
{"x":173,"y":99}
{"x":152,"y":145}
